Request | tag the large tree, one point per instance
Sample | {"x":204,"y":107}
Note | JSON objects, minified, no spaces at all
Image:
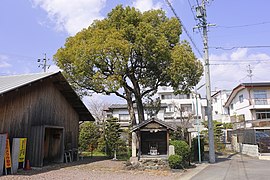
{"x":130,"y":54}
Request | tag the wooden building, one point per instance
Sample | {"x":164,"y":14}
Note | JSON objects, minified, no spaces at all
{"x":150,"y":138}
{"x":44,"y":109}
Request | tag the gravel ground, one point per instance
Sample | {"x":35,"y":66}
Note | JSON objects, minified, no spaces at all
{"x":96,"y":168}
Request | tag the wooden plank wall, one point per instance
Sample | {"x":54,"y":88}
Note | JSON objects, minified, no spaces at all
{"x":37,"y":105}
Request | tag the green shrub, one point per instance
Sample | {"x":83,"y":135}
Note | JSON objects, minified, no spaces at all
{"x":175,"y":161}
{"x":182,"y":149}
{"x":88,"y":137}
{"x":194,"y":149}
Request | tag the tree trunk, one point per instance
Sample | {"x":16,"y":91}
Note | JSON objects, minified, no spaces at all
{"x":138,"y":98}
{"x":130,"y":106}
{"x":114,"y":156}
{"x":140,"y":109}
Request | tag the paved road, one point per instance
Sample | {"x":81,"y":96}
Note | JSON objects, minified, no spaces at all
{"x":236,"y":166}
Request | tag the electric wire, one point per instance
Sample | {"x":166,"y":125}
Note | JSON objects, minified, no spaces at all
{"x":194,"y":17}
{"x":184,"y":28}
{"x":241,"y":60}
{"x":240,"y":47}
{"x":197,"y":1}
{"x":244,"y":25}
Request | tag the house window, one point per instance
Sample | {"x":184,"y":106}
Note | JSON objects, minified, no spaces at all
{"x":241,"y":98}
{"x":260,"y":97}
{"x":170,"y":108}
{"x":263,"y":114}
{"x":124,"y":117}
{"x":166,"y":96}
{"x":186,"y":107}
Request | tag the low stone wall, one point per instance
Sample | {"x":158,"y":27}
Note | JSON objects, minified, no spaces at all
{"x":147,"y":163}
{"x":248,"y":149}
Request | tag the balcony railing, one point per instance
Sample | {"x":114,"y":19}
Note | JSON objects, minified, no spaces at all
{"x":261,"y":101}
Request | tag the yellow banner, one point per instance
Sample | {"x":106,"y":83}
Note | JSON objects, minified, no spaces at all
{"x":22,"y":149}
{"x":7,"y":155}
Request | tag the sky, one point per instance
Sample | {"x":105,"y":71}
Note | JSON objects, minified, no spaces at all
{"x":238,"y":40}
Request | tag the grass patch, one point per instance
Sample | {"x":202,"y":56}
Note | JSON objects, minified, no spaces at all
{"x":95,"y":153}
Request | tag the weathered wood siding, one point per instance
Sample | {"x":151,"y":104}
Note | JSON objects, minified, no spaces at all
{"x":38,"y":104}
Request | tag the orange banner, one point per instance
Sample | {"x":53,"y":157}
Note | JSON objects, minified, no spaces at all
{"x":7,"y":155}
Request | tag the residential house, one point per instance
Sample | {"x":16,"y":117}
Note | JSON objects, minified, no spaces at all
{"x":249,"y":105}
{"x":219,"y":112}
{"x":44,"y":109}
{"x":175,"y":110}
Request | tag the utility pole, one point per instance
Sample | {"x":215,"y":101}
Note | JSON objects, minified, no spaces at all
{"x":201,"y":13}
{"x":43,"y":63}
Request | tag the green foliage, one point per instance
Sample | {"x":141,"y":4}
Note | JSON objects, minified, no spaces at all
{"x":123,"y":150}
{"x":131,"y":50}
{"x":217,"y":127}
{"x":194,"y":149}
{"x":175,"y":161}
{"x":89,"y":135}
{"x":227,"y":125}
{"x":152,"y":107}
{"x":112,"y":136}
{"x":182,"y":149}
{"x":179,"y":134}
{"x":101,"y":144}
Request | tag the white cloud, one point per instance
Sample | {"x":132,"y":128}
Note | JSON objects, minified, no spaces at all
{"x":72,"y":16}
{"x":4,"y":61}
{"x":230,"y":69}
{"x":145,"y":5}
{"x":54,"y":68}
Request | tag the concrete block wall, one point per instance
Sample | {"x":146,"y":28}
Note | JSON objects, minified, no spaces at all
{"x":248,"y":149}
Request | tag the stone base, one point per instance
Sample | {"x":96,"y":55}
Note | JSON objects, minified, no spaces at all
{"x":143,"y":164}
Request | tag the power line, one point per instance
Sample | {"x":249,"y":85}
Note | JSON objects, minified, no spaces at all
{"x":194,"y":17}
{"x":17,"y":55}
{"x":241,"y":60}
{"x":198,"y":4}
{"x":233,"y":64}
{"x":193,"y":43}
{"x":244,"y":25}
{"x":240,"y":47}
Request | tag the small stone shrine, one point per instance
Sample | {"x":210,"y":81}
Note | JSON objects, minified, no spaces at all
{"x":150,"y":139}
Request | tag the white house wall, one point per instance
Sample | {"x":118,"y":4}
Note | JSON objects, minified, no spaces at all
{"x":241,"y":108}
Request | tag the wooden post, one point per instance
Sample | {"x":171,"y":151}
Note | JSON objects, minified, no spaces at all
{"x":168,"y":142}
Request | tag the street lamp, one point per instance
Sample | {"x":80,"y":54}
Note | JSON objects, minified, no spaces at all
{"x":198,"y":122}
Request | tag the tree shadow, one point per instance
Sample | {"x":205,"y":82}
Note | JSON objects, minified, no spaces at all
{"x":57,"y":166}
{"x":220,"y":157}
{"x":223,"y":158}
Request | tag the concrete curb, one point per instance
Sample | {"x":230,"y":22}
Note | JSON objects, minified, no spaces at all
{"x":192,"y":172}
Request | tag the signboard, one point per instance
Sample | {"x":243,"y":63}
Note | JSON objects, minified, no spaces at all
{"x":18,"y":152}
{"x":7,"y":155}
{"x":22,"y":149}
{"x":3,"y":138}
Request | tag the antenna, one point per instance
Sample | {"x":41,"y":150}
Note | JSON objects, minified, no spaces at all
{"x":43,"y":63}
{"x":249,"y":71}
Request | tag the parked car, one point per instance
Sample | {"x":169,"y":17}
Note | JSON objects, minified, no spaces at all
{"x":263,"y":142}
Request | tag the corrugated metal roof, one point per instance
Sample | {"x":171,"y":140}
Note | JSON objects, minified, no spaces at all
{"x":8,"y":83}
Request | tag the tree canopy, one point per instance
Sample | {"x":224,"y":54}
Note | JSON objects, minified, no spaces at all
{"x":130,"y":54}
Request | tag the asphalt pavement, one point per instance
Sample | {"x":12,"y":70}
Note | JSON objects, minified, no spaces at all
{"x":230,"y":167}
